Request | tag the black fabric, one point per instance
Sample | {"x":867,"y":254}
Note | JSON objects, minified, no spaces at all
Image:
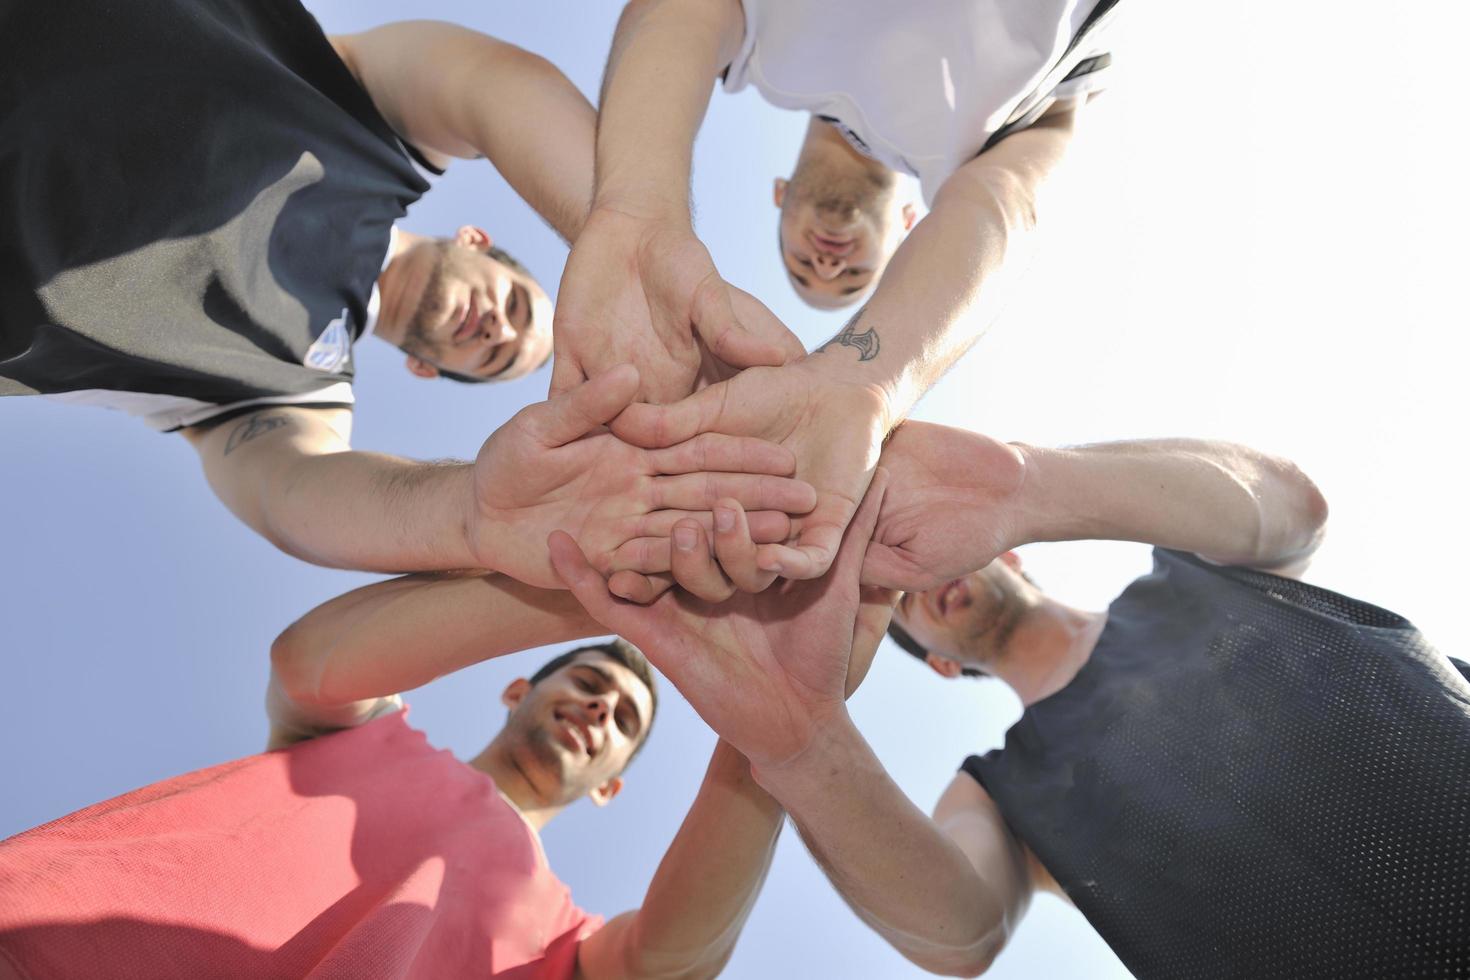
{"x":1035,"y":104}
{"x":191,"y":193}
{"x":1253,"y":778}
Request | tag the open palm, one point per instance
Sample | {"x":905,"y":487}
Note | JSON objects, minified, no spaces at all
{"x":647,"y":293}
{"x":951,"y":506}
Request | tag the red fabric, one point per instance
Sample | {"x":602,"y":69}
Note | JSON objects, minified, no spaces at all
{"x":364,"y":854}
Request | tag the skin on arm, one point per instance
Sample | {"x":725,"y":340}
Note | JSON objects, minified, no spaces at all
{"x":639,"y":286}
{"x":945,"y":283}
{"x":290,"y":474}
{"x":704,"y":888}
{"x":346,"y":660}
{"x":959,"y":499}
{"x":770,"y":673}
{"x":835,"y":407}
{"x":483,"y":97}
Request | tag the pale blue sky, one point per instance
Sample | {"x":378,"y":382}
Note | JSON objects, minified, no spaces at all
{"x":1260,"y":239}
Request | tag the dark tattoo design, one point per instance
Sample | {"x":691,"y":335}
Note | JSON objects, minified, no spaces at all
{"x":254,"y":426}
{"x":865,"y":342}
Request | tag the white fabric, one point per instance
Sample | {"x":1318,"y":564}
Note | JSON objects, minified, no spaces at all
{"x":166,"y":413}
{"x":918,"y":85}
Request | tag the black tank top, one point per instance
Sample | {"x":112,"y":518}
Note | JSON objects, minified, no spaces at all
{"x":1253,"y":778}
{"x":191,"y":193}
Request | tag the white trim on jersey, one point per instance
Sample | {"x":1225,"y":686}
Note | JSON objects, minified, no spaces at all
{"x":165,"y":413}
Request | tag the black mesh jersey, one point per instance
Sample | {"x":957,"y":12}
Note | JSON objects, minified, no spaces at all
{"x":1253,"y":778}
{"x":196,"y":197}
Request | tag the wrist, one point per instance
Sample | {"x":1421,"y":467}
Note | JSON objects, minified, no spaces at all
{"x":831,"y":740}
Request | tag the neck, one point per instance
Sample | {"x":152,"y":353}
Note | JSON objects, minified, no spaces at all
{"x":1047,"y":649}
{"x":495,"y":762}
{"x":392,"y":291}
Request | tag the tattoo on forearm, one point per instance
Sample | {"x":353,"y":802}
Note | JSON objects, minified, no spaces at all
{"x":865,"y":342}
{"x":251,"y":428}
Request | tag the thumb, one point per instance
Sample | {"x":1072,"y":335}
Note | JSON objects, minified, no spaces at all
{"x":849,"y":561}
{"x":728,"y":338}
{"x":581,"y":578}
{"x":885,"y":566}
{"x":661,"y":426}
{"x":572,"y":414}
{"x":874,"y":610}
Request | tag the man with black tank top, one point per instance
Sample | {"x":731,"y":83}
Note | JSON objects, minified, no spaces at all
{"x":197,"y":207}
{"x":1229,"y":772}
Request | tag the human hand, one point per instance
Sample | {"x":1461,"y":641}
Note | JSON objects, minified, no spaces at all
{"x":954,"y":503}
{"x":835,"y":430}
{"x":764,"y":671}
{"x":554,"y":467}
{"x":646,"y":292}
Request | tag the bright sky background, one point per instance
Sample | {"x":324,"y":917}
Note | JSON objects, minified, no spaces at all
{"x":1261,"y":239}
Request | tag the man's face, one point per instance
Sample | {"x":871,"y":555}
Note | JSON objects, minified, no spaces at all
{"x":461,"y":310}
{"x":968,"y":620}
{"x":837,"y":233}
{"x":573,"y":732}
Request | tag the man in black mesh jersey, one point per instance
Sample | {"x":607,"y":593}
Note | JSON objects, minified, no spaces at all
{"x":1229,"y":772}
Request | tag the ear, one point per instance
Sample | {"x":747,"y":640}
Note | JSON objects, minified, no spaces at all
{"x":1012,"y":560}
{"x":778,"y":193}
{"x":603,"y":795}
{"x":910,"y":215}
{"x":421,"y":368}
{"x":515,"y":693}
{"x":943,"y":666}
{"x":472,"y":237}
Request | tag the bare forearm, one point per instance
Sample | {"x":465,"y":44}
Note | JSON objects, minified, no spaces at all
{"x":662,"y":67}
{"x":453,"y":91}
{"x":947,"y":281}
{"x":1229,"y":503}
{"x":367,"y":511}
{"x":892,"y":864}
{"x":397,"y":635}
{"x":704,"y":888}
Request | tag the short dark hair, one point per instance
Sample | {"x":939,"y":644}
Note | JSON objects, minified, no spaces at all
{"x":624,"y":653}
{"x":913,"y":647}
{"x":510,"y":261}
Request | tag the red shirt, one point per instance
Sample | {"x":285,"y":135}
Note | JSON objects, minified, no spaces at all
{"x":363,"y":854}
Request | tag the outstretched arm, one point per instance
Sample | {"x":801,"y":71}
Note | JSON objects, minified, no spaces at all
{"x":639,"y":287}
{"x":946,"y":281}
{"x":290,"y":474}
{"x":704,"y":888}
{"x":346,"y":660}
{"x":453,"y":92}
{"x":945,"y":894}
{"x":958,"y":499}
{"x":835,"y":407}
{"x":770,"y":672}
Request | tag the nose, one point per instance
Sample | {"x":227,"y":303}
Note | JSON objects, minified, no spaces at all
{"x":598,"y":709}
{"x":827,"y":267}
{"x":496,"y":328}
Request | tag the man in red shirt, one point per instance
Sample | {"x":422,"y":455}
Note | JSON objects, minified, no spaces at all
{"x":359,"y":850}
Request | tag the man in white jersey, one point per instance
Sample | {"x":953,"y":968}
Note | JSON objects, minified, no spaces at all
{"x":928,"y":88}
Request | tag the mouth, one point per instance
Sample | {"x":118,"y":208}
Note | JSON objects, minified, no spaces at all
{"x":832,"y":245}
{"x":573,"y":734}
{"x":469,"y":322}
